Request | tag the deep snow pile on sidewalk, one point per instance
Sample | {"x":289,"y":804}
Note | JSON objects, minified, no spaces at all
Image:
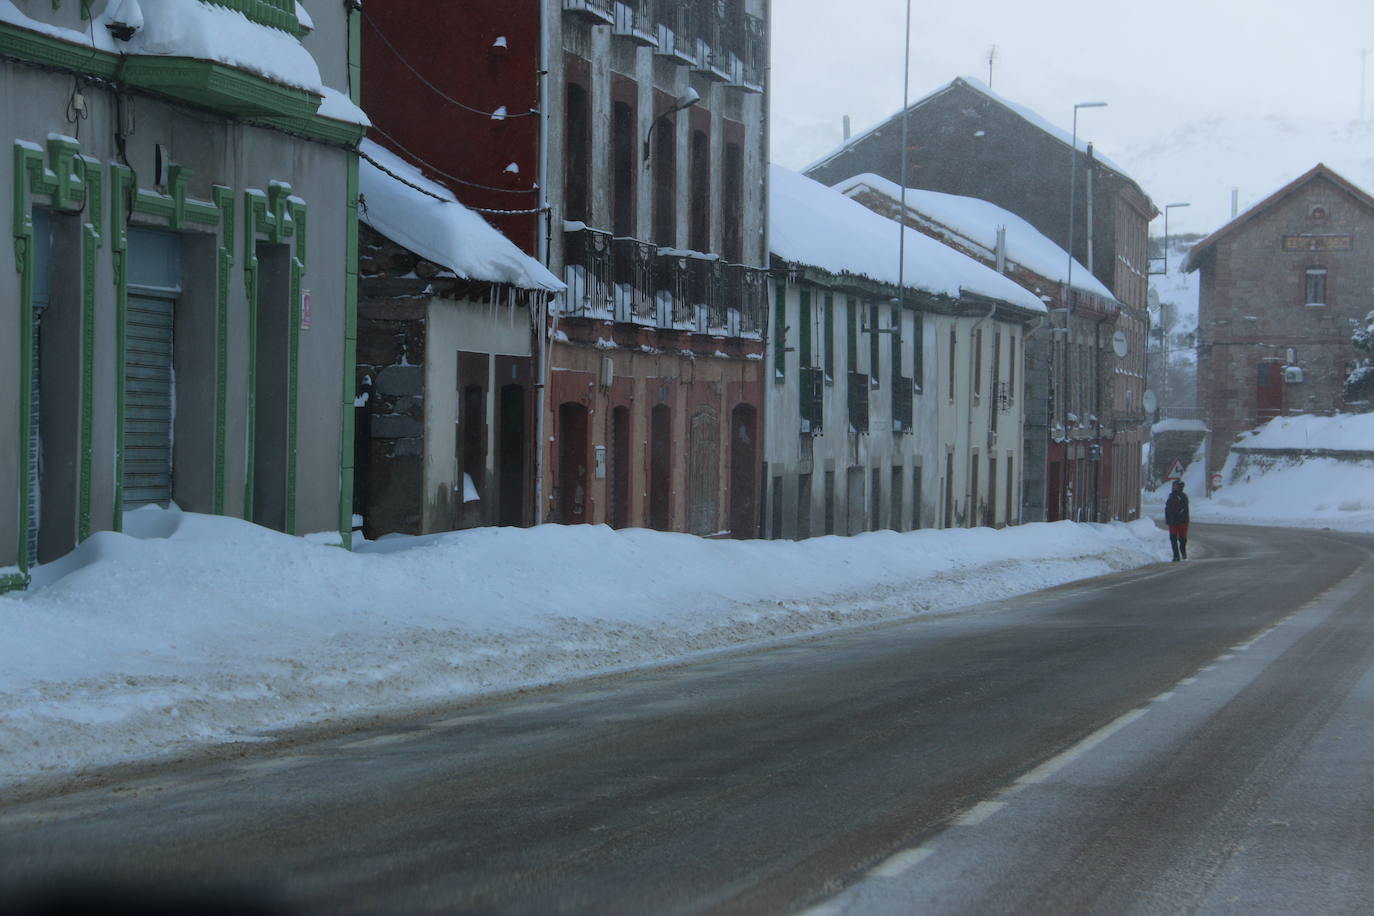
{"x":215,"y":630}
{"x":1302,"y":492}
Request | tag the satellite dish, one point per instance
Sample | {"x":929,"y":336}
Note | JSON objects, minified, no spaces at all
{"x":1152,"y":299}
{"x":1150,"y":401}
{"x":1119,"y":343}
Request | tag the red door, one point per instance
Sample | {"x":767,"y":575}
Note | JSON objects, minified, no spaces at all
{"x":1269,"y":391}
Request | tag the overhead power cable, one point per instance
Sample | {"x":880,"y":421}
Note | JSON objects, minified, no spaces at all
{"x":438,"y":171}
{"x":501,"y":115}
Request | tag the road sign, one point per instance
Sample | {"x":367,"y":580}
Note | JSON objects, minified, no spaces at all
{"x":1175,"y":470}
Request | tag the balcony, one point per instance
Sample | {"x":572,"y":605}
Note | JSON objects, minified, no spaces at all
{"x":673,"y":31}
{"x":633,"y":20}
{"x":751,"y":65}
{"x":596,"y":12}
{"x":672,"y":283}
{"x":746,"y":300}
{"x":634,"y":280}
{"x":587,"y":271}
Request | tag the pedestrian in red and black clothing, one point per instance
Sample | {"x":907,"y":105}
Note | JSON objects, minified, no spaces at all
{"x":1176,"y":517}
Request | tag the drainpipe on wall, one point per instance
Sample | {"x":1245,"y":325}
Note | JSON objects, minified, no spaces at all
{"x":1089,"y":183}
{"x":544,"y":245}
{"x":973,"y":386}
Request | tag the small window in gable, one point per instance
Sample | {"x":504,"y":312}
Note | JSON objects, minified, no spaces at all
{"x":1317,"y":213}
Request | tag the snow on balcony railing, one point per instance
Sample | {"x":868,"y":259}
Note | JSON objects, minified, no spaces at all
{"x":587,"y":271}
{"x":276,"y":14}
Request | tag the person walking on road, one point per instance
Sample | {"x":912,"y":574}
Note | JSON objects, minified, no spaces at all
{"x":1176,"y":517}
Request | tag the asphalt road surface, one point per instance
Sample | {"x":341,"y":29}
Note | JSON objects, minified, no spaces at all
{"x":1189,"y":737}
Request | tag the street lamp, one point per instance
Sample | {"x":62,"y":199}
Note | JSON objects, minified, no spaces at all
{"x":1073,"y":185}
{"x":1167,"y":208}
{"x":686,"y":100}
{"x":1068,"y":282}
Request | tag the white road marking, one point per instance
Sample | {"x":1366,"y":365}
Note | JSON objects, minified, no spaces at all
{"x":979,"y":813}
{"x":903,"y":862}
{"x":1164,"y":697}
{"x":458,"y":720}
{"x":383,"y":740}
{"x":1055,"y":764}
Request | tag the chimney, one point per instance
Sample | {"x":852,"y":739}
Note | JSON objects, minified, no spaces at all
{"x":846,"y":127}
{"x":1235,"y":202}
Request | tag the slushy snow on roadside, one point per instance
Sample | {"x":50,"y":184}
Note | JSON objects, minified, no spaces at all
{"x":197,"y":630}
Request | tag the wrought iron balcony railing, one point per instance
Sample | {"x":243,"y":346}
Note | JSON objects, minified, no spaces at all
{"x":753,"y":57}
{"x":705,"y":291}
{"x":634,"y":20}
{"x":597,"y":12}
{"x":673,"y":30}
{"x":746,"y":300}
{"x":634,"y":280}
{"x":587,"y":272}
{"x":671,"y":288}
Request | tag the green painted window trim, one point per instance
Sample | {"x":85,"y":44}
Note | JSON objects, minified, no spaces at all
{"x":804,"y":322}
{"x":280,"y":217}
{"x":175,"y":211}
{"x":72,"y":184}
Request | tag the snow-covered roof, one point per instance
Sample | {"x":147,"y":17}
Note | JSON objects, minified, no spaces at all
{"x":424,"y":216}
{"x":970,"y":220}
{"x":1063,"y":136}
{"x":817,"y":226}
{"x":203,"y":31}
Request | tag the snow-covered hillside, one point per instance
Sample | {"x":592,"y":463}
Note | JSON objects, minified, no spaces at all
{"x":1199,"y":162}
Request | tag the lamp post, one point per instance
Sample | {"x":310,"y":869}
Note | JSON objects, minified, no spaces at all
{"x":1063,"y":374}
{"x":686,"y":100}
{"x":1167,"y":208}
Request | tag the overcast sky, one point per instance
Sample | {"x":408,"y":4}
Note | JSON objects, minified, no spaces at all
{"x":1158,"y":65}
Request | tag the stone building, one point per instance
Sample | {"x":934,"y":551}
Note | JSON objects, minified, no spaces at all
{"x":1280,"y":287}
{"x":179,"y":307}
{"x":895,"y":392}
{"x":624,"y":144}
{"x":964,"y":139}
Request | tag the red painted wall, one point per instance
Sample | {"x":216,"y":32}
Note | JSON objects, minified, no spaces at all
{"x":452,"y":47}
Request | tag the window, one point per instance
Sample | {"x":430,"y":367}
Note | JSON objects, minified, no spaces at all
{"x":578,"y":139}
{"x":804,"y":327}
{"x":663,"y":164}
{"x":829,"y":317}
{"x":1011,"y":368}
{"x":852,"y":334}
{"x":874,"y":378}
{"x":953,"y":342}
{"x":623,"y":170}
{"x":699,"y":235}
{"x":977,"y":364}
{"x":918,"y":350}
{"x":1316,"y":286}
{"x":732,"y":202}
{"x":780,"y":334}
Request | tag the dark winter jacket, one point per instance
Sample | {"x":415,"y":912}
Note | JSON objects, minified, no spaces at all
{"x":1176,"y":508}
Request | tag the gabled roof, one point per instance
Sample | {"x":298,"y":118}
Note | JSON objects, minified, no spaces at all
{"x":1320,"y":170}
{"x":816,"y":226}
{"x":975,"y":223}
{"x":972,"y":85}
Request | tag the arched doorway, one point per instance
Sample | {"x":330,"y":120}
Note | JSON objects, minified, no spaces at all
{"x":743,"y":471}
{"x":703,"y":472}
{"x":572,"y":463}
{"x":661,"y":468}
